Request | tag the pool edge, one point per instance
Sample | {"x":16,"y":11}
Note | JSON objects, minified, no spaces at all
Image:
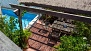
{"x":33,"y":21}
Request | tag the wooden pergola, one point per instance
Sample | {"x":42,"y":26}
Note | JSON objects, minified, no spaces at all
{"x":58,"y":14}
{"x":58,"y":8}
{"x":67,"y":15}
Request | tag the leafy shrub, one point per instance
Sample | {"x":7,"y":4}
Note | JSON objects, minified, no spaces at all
{"x":70,"y":43}
{"x":10,"y":29}
{"x":83,"y":29}
{"x":26,"y":33}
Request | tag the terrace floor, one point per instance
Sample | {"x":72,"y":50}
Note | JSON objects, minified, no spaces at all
{"x":39,"y":40}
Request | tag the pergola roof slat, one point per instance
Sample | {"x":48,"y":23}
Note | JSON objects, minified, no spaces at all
{"x":55,"y":13}
{"x":65,"y":9}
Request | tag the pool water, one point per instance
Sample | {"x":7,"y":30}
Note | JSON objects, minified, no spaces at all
{"x":26,"y":18}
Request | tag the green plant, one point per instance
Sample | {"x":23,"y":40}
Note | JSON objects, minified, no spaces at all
{"x":82,"y":29}
{"x":48,"y":18}
{"x":26,"y":33}
{"x":24,"y":12}
{"x":70,"y":43}
{"x":10,"y":29}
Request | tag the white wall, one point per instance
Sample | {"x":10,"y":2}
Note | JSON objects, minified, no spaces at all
{"x":5,"y":3}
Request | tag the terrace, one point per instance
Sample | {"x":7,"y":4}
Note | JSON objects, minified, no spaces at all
{"x":46,"y":33}
{"x":40,"y":37}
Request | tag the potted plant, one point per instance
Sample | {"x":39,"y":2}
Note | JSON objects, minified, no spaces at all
{"x":26,"y":35}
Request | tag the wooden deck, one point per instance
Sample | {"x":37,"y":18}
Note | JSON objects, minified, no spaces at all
{"x":39,"y":40}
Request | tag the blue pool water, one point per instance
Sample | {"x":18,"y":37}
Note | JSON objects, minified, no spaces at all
{"x":26,"y":18}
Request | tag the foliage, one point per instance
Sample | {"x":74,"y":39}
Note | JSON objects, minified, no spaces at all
{"x":25,"y":36}
{"x":8,"y":26}
{"x":26,"y":33}
{"x":77,"y":42}
{"x":48,"y":18}
{"x":23,"y":12}
{"x":10,"y":29}
{"x":83,"y":29}
{"x":70,"y":43}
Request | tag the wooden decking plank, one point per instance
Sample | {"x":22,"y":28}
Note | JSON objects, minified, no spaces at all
{"x":39,"y":40}
{"x":36,"y":37}
{"x":53,"y":49}
{"x":38,"y":25}
{"x":43,"y":47}
{"x":36,"y":45}
{"x":48,"y":48}
{"x":46,"y":40}
{"x":34,"y":29}
{"x":43,"y":39}
{"x":31,"y":42}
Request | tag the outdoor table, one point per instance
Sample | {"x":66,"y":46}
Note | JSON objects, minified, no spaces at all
{"x":55,"y":21}
{"x":54,"y":25}
{"x":59,"y":22}
{"x":58,"y":26}
{"x":67,"y":21}
{"x":67,"y":29}
{"x":62,"y":19}
{"x":70,"y":25}
{"x":63,"y":26}
{"x":71,"y":29}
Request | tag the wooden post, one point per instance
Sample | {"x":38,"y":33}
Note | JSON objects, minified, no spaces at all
{"x":21,"y":28}
{"x":20,"y":19}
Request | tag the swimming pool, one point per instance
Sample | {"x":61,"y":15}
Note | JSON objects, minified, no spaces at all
{"x":28,"y":18}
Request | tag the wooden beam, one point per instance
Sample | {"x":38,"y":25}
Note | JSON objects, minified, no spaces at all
{"x":68,"y":10}
{"x":55,"y":13}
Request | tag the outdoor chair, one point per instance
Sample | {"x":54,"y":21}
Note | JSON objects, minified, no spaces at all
{"x":55,"y":34}
{"x":45,"y":26}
